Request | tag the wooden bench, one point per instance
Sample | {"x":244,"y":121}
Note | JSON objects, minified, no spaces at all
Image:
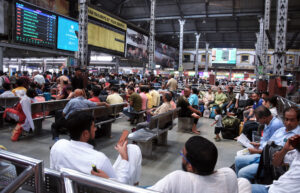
{"x":157,"y":130}
{"x":105,"y":115}
{"x":43,"y":107}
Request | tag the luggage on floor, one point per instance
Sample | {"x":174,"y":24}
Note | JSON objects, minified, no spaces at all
{"x":230,"y":127}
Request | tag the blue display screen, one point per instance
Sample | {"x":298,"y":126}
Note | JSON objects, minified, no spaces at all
{"x":66,"y":36}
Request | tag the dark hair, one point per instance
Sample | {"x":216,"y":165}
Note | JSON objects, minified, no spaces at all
{"x":262,"y":111}
{"x":131,"y":88}
{"x":146,"y":89}
{"x":1,"y":73}
{"x":217,"y":83}
{"x":65,"y":72}
{"x":69,"y":88}
{"x":292,"y":108}
{"x":19,"y":82}
{"x":230,"y":89}
{"x":115,"y":89}
{"x":6,"y":86}
{"x":79,"y":122}
{"x":31,"y":93}
{"x":272,"y":100}
{"x":195,"y":91}
{"x":143,"y":89}
{"x":168,"y":97}
{"x":202,"y":155}
{"x":265,"y":92}
{"x":218,"y":110}
{"x":96,"y":91}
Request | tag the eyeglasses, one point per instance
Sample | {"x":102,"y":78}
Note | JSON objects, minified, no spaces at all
{"x":182,"y":155}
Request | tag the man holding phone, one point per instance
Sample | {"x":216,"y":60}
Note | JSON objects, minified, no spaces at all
{"x":79,"y":155}
{"x":288,"y":182}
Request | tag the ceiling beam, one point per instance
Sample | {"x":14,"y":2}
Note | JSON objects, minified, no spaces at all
{"x":206,"y":31}
{"x":179,"y":9}
{"x":291,"y":42}
{"x":199,"y":16}
{"x":206,"y":7}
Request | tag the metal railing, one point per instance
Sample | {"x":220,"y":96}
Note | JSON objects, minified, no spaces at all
{"x":33,"y":167}
{"x":283,"y":103}
{"x":73,"y":180}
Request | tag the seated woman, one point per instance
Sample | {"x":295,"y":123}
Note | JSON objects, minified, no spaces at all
{"x":165,"y":107}
{"x":271,"y":103}
{"x":21,"y":113}
{"x":220,"y":97}
{"x":209,"y":97}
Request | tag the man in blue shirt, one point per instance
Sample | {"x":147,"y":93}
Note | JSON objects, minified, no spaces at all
{"x":75,"y":104}
{"x":193,"y":98}
{"x":246,"y":166}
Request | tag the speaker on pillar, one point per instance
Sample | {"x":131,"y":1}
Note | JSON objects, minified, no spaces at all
{"x":277,"y":86}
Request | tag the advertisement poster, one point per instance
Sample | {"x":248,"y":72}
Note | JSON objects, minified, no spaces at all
{"x":58,"y":6}
{"x":166,"y":56}
{"x":136,"y":46}
{"x":66,"y":35}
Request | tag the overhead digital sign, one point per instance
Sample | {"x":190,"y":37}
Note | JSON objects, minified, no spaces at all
{"x":223,"y":56}
{"x":66,"y":34}
{"x":35,"y":26}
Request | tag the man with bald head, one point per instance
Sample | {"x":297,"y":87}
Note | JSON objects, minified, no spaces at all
{"x":75,"y":104}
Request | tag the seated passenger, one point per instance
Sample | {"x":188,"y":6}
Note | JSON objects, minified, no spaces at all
{"x":135,"y":104}
{"x":230,"y":101}
{"x":114,"y":97}
{"x":220,"y":97}
{"x":21,"y":113}
{"x":187,"y":110}
{"x":165,"y":107}
{"x":144,"y":98}
{"x":242,"y":96}
{"x":208,"y":98}
{"x":95,"y":92}
{"x":246,"y":166}
{"x":155,"y":97}
{"x":149,"y":97}
{"x":7,"y":93}
{"x":271,"y":103}
{"x":257,"y":102}
{"x":79,"y":155}
{"x":199,"y":157}
{"x":20,"y":91}
{"x":73,"y":105}
{"x":289,"y":181}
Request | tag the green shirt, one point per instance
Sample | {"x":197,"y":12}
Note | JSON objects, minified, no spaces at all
{"x":136,"y":101}
{"x":220,"y":98}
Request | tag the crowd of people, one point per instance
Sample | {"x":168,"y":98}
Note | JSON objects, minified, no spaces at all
{"x":154,"y":95}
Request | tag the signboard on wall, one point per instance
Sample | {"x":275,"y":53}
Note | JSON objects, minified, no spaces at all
{"x":136,"y":46}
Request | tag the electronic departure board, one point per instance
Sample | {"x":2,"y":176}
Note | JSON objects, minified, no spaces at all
{"x":35,"y":26}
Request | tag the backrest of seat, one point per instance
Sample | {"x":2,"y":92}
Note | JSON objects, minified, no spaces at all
{"x":176,"y":112}
{"x":53,"y":183}
{"x":153,"y":122}
{"x":48,"y":106}
{"x":8,"y":102}
{"x":118,"y":107}
{"x":165,"y":120}
{"x":102,"y":111}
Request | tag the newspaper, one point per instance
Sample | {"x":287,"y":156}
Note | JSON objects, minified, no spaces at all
{"x":244,"y":141}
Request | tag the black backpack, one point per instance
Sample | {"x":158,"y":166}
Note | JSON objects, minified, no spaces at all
{"x":266,"y":172}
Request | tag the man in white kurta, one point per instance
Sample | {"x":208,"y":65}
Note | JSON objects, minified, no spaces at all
{"x":79,"y":155}
{"x":199,"y":157}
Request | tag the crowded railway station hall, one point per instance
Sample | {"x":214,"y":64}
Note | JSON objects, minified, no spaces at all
{"x":145,"y":96}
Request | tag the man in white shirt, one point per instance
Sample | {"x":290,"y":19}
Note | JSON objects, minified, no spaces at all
{"x":39,"y":79}
{"x":7,"y":92}
{"x":288,"y":182}
{"x":242,"y":96}
{"x":172,"y":84}
{"x":199,"y":157}
{"x":79,"y":155}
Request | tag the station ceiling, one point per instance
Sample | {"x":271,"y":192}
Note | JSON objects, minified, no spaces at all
{"x":222,"y":23}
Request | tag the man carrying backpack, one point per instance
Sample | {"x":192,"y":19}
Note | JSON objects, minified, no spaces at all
{"x":246,"y":166}
{"x":289,"y":181}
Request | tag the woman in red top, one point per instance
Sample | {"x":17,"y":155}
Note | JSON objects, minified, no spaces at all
{"x":95,"y":92}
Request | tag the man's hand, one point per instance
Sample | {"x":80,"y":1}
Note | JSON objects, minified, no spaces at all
{"x":255,"y":144}
{"x":122,"y":149}
{"x":254,"y":151}
{"x":100,"y":173}
{"x":289,"y":144}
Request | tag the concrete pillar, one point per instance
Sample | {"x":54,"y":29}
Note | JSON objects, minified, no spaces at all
{"x":206,"y":56}
{"x":117,"y":64}
{"x":181,"y":23}
{"x":197,"y":55}
{"x":1,"y":58}
{"x":152,"y":36}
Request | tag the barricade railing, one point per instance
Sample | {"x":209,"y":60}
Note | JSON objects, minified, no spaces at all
{"x":74,"y":180}
{"x":33,"y":167}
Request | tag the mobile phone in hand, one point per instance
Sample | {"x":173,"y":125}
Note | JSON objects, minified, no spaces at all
{"x":123,"y":137}
{"x":94,"y":168}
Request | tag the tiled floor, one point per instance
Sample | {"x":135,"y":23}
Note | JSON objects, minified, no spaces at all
{"x":165,"y":158}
